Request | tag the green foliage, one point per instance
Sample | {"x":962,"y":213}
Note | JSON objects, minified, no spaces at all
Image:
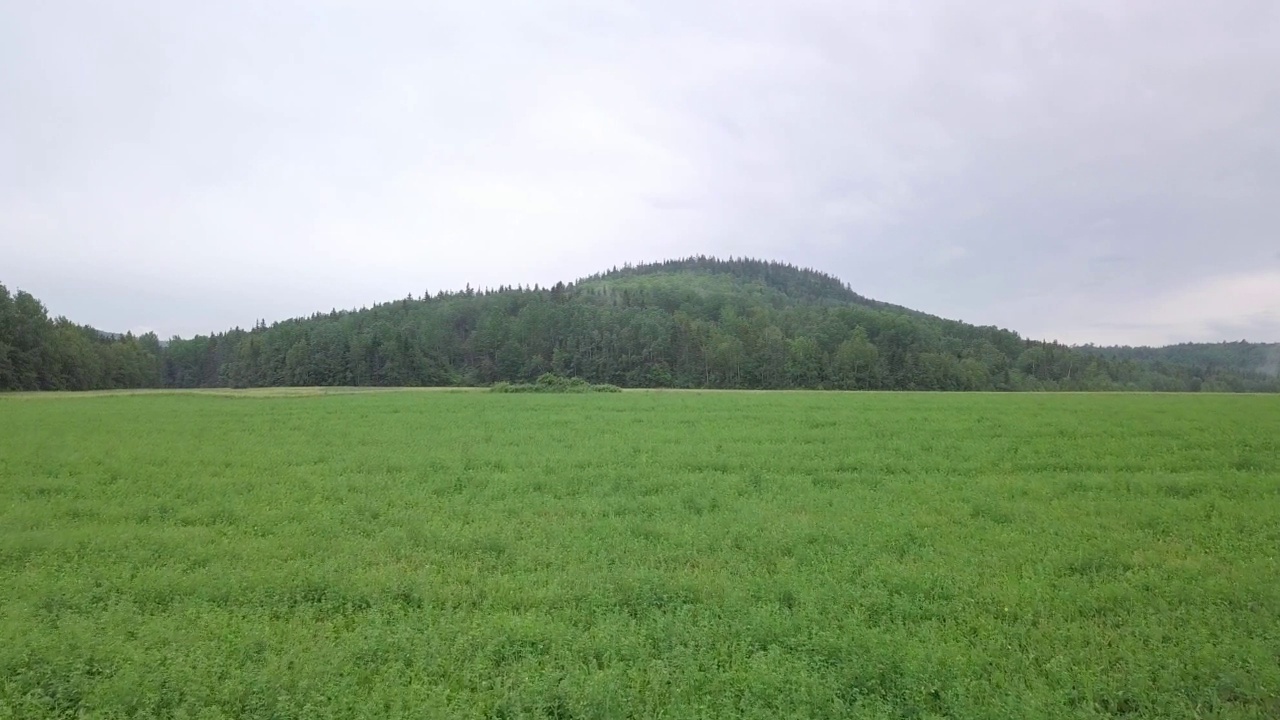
{"x":655,"y":554}
{"x":552,"y":383}
{"x":698,"y":322}
{"x":692,"y":323}
{"x":40,"y":353}
{"x":1244,"y":358}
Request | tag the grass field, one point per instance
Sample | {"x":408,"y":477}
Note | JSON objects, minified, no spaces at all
{"x":643,"y":554}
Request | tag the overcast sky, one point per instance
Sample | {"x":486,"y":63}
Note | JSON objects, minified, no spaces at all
{"x":1086,"y":171}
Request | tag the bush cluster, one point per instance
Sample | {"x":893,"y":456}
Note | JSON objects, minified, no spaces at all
{"x":552,"y":383}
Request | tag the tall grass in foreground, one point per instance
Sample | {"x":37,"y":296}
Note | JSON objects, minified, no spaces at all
{"x":675,"y":555}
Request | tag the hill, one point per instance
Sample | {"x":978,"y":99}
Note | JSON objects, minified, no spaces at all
{"x":691,"y":323}
{"x":1237,"y":357}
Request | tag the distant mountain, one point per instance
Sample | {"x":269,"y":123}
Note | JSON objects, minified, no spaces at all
{"x":1238,"y":357}
{"x":691,"y":323}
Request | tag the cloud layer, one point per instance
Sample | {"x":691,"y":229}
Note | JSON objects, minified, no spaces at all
{"x":1086,"y":171}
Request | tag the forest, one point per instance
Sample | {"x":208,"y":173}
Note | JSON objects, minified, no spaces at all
{"x":42,"y":353}
{"x":1239,"y":356}
{"x":698,"y":322}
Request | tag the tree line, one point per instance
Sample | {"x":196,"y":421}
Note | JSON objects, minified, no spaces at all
{"x":692,"y":323}
{"x":42,"y":353}
{"x":1239,"y":356}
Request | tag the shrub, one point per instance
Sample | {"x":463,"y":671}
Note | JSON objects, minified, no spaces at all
{"x":552,"y":383}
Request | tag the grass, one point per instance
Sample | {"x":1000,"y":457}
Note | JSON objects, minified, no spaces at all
{"x":680,"y":555}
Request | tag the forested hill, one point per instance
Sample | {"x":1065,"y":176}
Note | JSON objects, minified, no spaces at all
{"x":1238,"y":357}
{"x":797,"y":284}
{"x":698,"y":322}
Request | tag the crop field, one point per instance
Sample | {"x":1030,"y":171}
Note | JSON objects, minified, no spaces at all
{"x":639,"y":555}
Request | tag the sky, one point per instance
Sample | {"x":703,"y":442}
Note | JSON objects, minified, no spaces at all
{"x":1091,"y":171}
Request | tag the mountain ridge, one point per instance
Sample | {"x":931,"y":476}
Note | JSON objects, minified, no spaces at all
{"x":693,"y":322}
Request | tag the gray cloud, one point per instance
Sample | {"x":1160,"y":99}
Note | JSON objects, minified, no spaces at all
{"x":1086,"y":171}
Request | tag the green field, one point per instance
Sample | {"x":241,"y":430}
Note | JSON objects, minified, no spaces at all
{"x":644,"y":554}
